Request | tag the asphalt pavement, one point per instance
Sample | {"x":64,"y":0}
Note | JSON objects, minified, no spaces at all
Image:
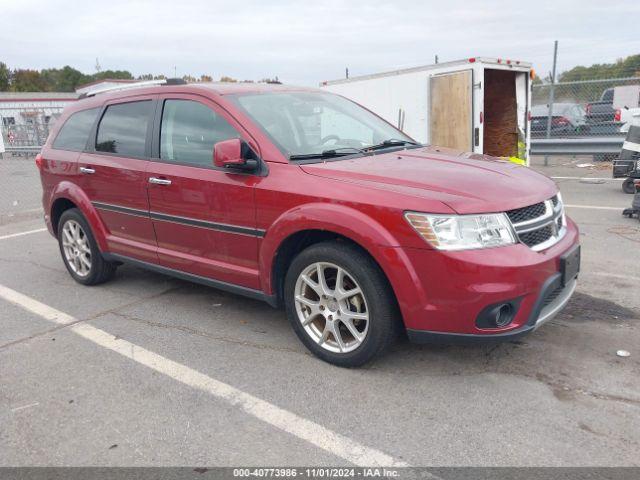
{"x":147,"y":370}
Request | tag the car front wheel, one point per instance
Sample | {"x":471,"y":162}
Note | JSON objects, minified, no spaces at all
{"x":340,"y":304}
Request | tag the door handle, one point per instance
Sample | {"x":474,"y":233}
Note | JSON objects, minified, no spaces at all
{"x":87,"y":170}
{"x":159,"y":181}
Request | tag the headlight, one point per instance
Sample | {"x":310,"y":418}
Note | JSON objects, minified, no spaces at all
{"x":463,"y":232}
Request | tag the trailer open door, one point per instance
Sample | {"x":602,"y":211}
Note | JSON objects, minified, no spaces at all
{"x":451,"y":110}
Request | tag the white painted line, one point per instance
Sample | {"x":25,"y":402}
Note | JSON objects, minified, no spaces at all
{"x":34,"y":306}
{"x":302,"y":428}
{"x":17,"y":409}
{"x":20,"y":234}
{"x":608,"y":179}
{"x":595,"y":207}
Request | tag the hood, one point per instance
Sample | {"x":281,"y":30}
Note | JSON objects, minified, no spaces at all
{"x":466,"y":182}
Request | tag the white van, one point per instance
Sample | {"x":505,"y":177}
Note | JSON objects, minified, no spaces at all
{"x":478,"y":104}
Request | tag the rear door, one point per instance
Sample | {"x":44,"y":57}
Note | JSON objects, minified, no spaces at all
{"x":451,"y":110}
{"x":204,"y":216}
{"x":113,"y":174}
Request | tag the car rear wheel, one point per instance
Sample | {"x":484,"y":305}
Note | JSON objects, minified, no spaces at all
{"x":340,"y":304}
{"x":80,"y":252}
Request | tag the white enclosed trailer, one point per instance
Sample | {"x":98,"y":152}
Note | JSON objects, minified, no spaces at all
{"x":478,"y":105}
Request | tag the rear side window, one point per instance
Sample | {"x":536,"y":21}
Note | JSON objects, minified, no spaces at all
{"x":189,"y":131}
{"x":75,"y":132}
{"x":123,"y":129}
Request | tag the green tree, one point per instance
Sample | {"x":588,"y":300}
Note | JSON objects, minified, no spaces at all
{"x":65,"y":79}
{"x":5,"y":77}
{"x":112,"y":74}
{"x":627,"y":67}
{"x":27,"y":81}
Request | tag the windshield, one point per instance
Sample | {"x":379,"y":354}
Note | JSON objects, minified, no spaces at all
{"x":310,"y":123}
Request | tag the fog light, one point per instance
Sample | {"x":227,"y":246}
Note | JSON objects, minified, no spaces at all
{"x":503,"y":315}
{"x":498,"y":315}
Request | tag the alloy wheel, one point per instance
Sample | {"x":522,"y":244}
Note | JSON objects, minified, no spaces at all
{"x":77,"y":252}
{"x":331,"y":307}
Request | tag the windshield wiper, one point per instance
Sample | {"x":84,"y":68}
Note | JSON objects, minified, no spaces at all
{"x":392,"y":142}
{"x":335,"y":152}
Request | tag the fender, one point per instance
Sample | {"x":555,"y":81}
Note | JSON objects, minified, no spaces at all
{"x":71,"y":191}
{"x":350,"y":223}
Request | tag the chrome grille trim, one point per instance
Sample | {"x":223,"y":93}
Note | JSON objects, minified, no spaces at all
{"x":553,"y":218}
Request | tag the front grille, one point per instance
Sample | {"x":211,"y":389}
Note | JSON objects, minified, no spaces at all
{"x":520,"y":215}
{"x":541,"y":225}
{"x":536,"y":237}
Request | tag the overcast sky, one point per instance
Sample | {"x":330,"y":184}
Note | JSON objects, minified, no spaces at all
{"x":306,"y":42}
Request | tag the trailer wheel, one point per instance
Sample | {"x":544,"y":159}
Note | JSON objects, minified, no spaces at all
{"x":628,"y":186}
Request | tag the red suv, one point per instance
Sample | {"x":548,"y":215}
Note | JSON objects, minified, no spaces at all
{"x":305,"y":199}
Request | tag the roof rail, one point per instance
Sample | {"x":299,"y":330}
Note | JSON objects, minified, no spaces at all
{"x":130,"y":86}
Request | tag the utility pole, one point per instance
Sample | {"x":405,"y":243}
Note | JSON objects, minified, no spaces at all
{"x":551,"y":95}
{"x":346,"y":72}
{"x":175,"y":72}
{"x":436,"y":58}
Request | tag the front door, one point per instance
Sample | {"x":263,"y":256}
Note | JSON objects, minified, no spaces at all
{"x":204,"y":217}
{"x":114,"y":176}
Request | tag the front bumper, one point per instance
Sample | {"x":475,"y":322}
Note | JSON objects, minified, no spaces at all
{"x":445,"y":292}
{"x":551,"y":301}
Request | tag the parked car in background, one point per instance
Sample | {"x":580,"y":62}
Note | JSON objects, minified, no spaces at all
{"x":601,"y":111}
{"x":608,"y":116}
{"x":568,"y":120}
{"x":628,"y":117}
{"x":302,"y":198}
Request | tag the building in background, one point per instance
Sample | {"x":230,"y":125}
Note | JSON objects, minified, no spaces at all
{"x":25,"y":117}
{"x":31,"y":108}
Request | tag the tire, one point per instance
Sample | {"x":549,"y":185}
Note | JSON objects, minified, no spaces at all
{"x":342,"y":310}
{"x":628,"y":186}
{"x":74,"y":248}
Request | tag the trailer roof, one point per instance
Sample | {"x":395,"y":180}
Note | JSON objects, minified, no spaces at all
{"x":502,"y":62}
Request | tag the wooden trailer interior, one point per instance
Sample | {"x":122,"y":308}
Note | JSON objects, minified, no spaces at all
{"x":500,"y":114}
{"x":450,"y":110}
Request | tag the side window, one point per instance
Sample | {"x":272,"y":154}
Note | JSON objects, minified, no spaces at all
{"x":75,"y":132}
{"x":123,"y":129}
{"x":189,"y":130}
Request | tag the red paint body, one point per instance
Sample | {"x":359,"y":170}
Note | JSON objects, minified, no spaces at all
{"x":362,"y":199}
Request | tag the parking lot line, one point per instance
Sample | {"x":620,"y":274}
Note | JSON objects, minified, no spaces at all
{"x":606,"y":179}
{"x":302,"y":428}
{"x":594,"y":207}
{"x":19,"y":234}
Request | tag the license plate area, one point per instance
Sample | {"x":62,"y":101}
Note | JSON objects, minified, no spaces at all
{"x":570,"y":265}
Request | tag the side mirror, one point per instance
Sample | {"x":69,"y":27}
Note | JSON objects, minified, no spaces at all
{"x":233,"y":154}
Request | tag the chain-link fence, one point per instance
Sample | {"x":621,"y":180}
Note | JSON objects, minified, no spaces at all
{"x":20,"y":188}
{"x":588,"y":108}
{"x":26,"y":130}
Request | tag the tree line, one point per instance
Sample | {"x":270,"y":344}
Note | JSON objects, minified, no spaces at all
{"x":67,"y":79}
